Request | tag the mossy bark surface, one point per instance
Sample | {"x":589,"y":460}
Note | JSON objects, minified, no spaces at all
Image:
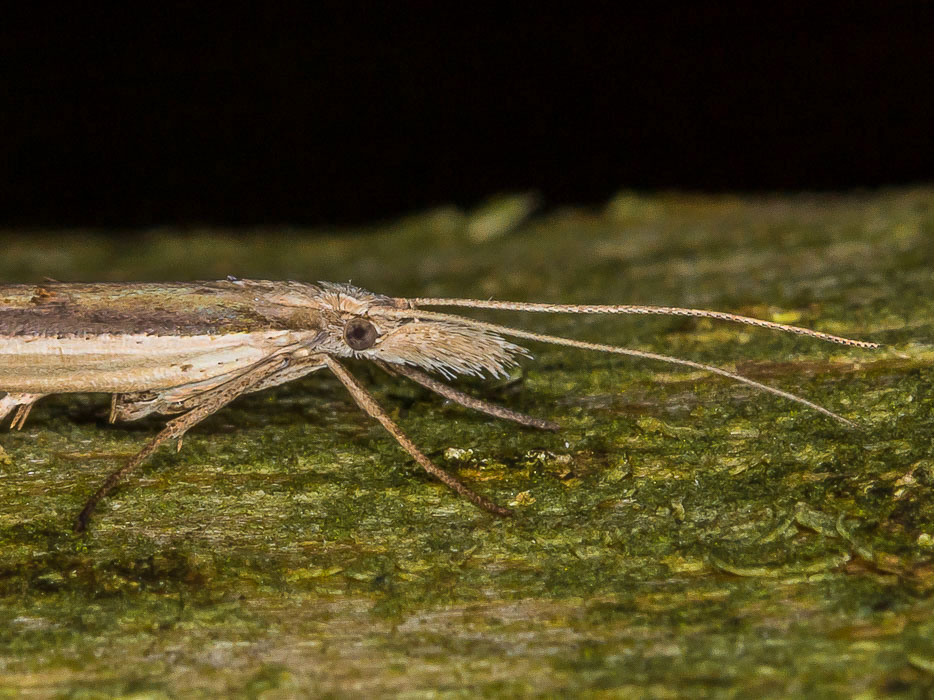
{"x":682,"y":535}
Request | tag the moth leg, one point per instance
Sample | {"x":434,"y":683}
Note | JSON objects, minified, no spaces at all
{"x":22,"y":412}
{"x":177,"y":427}
{"x":23,"y":404}
{"x":133,"y":406}
{"x":466,"y":400}
{"x":366,"y":401}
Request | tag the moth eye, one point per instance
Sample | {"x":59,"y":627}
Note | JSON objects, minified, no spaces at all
{"x":360,"y":334}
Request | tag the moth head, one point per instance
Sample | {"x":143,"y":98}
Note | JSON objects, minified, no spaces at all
{"x":361,"y":324}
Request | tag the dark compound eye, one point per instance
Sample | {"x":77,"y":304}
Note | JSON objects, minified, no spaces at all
{"x":360,"y":334}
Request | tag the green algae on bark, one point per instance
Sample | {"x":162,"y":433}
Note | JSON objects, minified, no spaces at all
{"x":680,"y":535}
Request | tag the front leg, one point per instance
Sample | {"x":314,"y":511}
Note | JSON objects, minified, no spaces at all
{"x":368,"y":403}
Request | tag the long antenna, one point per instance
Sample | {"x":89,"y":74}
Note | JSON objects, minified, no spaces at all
{"x":599,"y":347}
{"x":637,"y":309}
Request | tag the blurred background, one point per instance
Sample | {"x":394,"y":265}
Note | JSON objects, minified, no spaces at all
{"x":337,"y":113}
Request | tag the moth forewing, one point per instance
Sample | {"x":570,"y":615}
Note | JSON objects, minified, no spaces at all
{"x":190,"y":348}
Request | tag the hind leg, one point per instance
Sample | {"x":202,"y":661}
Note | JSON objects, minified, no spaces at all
{"x":22,"y":403}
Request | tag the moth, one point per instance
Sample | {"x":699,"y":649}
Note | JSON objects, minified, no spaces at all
{"x":187,"y":349}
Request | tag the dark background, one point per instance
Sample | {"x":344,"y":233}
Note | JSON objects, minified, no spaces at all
{"x":353,"y":112}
